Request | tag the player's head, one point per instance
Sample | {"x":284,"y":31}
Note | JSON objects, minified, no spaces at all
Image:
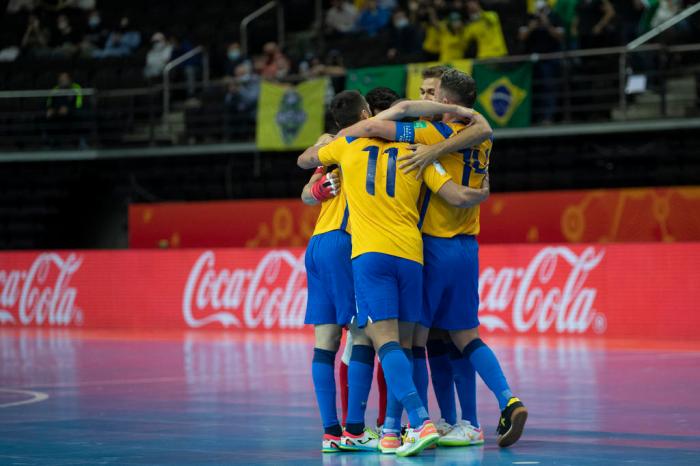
{"x":431,"y":81}
{"x":457,"y":88}
{"x":380,"y":98}
{"x":349,"y":107}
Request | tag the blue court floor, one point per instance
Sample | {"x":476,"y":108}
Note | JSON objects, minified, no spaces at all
{"x":73,"y":398}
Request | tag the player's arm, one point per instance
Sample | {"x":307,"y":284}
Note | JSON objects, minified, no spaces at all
{"x":422,"y":108}
{"x":310,"y":157}
{"x":423,"y":155}
{"x":321,"y":187}
{"x":464,"y":196}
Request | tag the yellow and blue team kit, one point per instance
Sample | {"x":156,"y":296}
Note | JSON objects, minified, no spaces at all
{"x":331,"y":293}
{"x":387,"y":248}
{"x":451,"y":261}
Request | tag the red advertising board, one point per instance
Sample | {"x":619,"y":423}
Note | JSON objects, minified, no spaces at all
{"x":593,"y":216}
{"x":619,"y":291}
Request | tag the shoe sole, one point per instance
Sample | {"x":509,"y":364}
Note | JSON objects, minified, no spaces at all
{"x":517,"y":420}
{"x":459,"y":443}
{"x":356,"y":448}
{"x":388,"y":451}
{"x":420,"y":446}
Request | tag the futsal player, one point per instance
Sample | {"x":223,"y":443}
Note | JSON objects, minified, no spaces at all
{"x":387,"y":250}
{"x":331,"y":299}
{"x":451,"y":258}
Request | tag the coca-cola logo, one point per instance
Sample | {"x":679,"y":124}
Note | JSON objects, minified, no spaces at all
{"x":271,"y":294}
{"x":548,"y":293}
{"x":41,"y":294}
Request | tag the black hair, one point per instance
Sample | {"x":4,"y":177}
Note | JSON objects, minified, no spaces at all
{"x":459,"y":86}
{"x":346,"y":108}
{"x":380,"y":98}
{"x":435,"y":71}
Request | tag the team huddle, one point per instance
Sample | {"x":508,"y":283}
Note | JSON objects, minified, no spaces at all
{"x":394,"y":259}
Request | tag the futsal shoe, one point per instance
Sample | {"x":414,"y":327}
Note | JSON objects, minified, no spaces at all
{"x":512,"y":423}
{"x":331,"y":444}
{"x":368,"y":440}
{"x":443,"y":427}
{"x":463,"y":434}
{"x":389,"y":442}
{"x":417,"y":440}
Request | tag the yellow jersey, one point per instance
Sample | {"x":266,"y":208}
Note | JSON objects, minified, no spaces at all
{"x":487,"y":33}
{"x":467,"y":167}
{"x":383,"y":201}
{"x":452,"y":45}
{"x":334,"y":213}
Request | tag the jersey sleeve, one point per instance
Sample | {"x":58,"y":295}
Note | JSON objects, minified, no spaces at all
{"x":435,"y":176}
{"x":422,"y":132}
{"x":330,"y":154}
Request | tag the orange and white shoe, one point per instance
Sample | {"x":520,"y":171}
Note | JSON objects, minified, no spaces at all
{"x":417,"y":440}
{"x":331,"y":444}
{"x":368,"y":440}
{"x":389,"y":442}
{"x":443,"y":427}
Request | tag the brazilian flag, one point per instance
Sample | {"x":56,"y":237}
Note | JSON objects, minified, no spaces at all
{"x":366,"y":79}
{"x":504,"y":94}
{"x":290,"y":117}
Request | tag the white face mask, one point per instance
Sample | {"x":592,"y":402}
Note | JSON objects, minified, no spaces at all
{"x":234,"y":54}
{"x":401,"y":23}
{"x":94,"y":21}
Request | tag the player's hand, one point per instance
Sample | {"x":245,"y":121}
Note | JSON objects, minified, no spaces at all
{"x":466,"y":113}
{"x":421,"y":157}
{"x":326,"y":187}
{"x":324,"y":139}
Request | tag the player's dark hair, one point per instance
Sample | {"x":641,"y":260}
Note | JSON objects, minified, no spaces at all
{"x":380,"y":98}
{"x":435,"y":71}
{"x":346,"y":108}
{"x":460,"y":87}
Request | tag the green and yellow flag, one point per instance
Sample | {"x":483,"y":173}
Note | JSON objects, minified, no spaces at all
{"x":366,"y":79}
{"x":414,"y":74}
{"x":504,"y":94}
{"x":290,"y":117}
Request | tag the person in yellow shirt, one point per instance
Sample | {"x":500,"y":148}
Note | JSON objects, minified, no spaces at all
{"x":451,"y":38}
{"x":451,"y":253}
{"x":387,"y":249}
{"x":484,"y":28}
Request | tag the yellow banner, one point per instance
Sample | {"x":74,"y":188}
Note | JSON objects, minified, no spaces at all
{"x":290,"y":117}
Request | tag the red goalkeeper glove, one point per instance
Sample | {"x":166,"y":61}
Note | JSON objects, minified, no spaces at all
{"x":325,"y":188}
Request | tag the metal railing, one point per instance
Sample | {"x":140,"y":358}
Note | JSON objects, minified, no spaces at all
{"x":587,"y":92}
{"x":245,"y":22}
{"x":171,"y":65}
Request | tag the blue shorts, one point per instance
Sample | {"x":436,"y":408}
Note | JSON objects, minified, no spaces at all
{"x":451,"y":282}
{"x":387,"y":287}
{"x":331,"y":298}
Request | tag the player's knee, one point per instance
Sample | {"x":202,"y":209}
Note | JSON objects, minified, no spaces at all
{"x":328,"y":339}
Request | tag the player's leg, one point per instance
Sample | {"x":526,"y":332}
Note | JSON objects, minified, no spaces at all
{"x":420,"y":366}
{"x":442,"y":377}
{"x":382,"y":398}
{"x":465,"y":383}
{"x":360,"y":374}
{"x":343,"y":376}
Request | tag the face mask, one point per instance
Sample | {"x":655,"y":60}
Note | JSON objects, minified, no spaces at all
{"x":401,"y":23}
{"x":94,"y":21}
{"x":234,"y":55}
{"x":62,"y":26}
{"x":475,"y":16}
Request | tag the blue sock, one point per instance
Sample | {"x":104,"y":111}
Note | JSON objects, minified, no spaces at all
{"x":486,"y":364}
{"x":323,"y":375}
{"x":465,"y":381}
{"x":394,"y":410}
{"x":420,"y":373}
{"x":443,"y":380}
{"x":360,"y":374}
{"x":399,"y":380}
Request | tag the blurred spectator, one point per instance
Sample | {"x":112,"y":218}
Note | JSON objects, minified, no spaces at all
{"x":566,"y":10}
{"x":15,"y":6}
{"x":629,"y":14}
{"x":36,"y":38}
{"x":63,"y":111}
{"x":666,"y":10}
{"x":593,"y":24}
{"x":274,"y":64}
{"x":420,"y":14}
{"x":95,"y":36}
{"x":543,"y":34}
{"x":450,"y":36}
{"x":341,"y":17}
{"x":158,"y":56}
{"x":650,"y":7}
{"x":65,"y":38}
{"x":121,"y":42}
{"x":373,"y":18}
{"x":484,"y":28}
{"x":404,"y":38}
{"x":191,"y":66}
{"x":234,"y":57}
{"x":241,"y":99}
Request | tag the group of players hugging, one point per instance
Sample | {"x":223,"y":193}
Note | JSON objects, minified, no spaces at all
{"x":394,"y":260}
